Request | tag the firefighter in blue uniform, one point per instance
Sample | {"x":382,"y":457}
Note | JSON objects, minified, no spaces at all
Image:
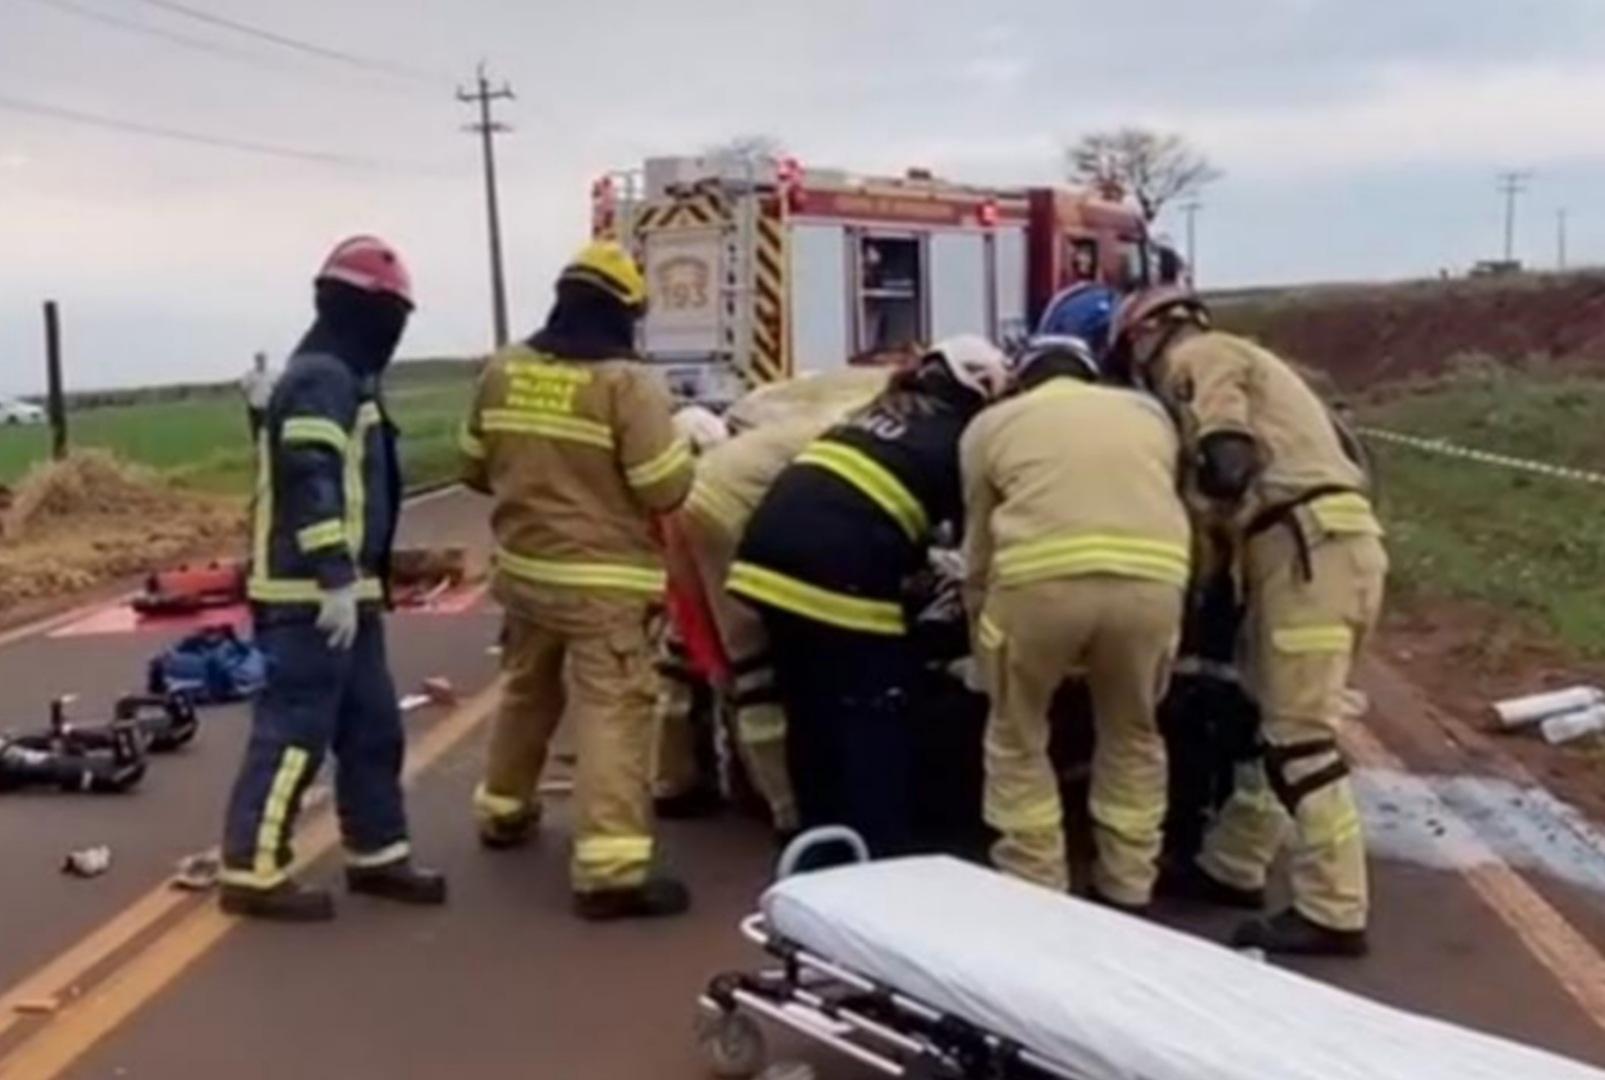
{"x":826,"y":560}
{"x":327,"y":500}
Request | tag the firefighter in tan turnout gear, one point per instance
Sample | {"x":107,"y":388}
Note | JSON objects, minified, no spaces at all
{"x":574,"y":440}
{"x":732,"y":479}
{"x":1076,"y":528}
{"x":1271,"y":458}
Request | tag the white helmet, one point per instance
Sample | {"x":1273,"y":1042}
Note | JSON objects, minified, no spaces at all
{"x":974,"y":363}
{"x":701,"y":427}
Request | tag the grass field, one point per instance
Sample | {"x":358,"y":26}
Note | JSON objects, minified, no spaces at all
{"x":1527,"y":544}
{"x":203,"y":441}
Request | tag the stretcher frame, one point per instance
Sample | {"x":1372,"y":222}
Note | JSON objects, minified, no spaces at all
{"x":845,"y":1011}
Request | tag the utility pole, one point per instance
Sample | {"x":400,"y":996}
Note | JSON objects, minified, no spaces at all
{"x":487,"y":128}
{"x":1512,"y":184}
{"x":56,"y":405}
{"x":1191,"y":208}
{"x":1560,"y":239}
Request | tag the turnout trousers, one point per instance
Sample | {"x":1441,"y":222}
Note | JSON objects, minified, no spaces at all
{"x":318,"y":700}
{"x":587,"y":660}
{"x":1304,"y":630}
{"x":1122,"y":634}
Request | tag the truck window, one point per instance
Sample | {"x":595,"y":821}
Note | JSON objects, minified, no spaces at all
{"x":1083,"y":260}
{"x":891,"y":292}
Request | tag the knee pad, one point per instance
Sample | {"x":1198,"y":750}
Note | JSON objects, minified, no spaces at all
{"x":1279,"y":762}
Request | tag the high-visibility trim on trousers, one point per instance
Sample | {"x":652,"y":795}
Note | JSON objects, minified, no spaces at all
{"x":1045,"y":813}
{"x":314,"y":431}
{"x":331,"y":533}
{"x":400,"y":851}
{"x":812,"y":602}
{"x":873,"y":479}
{"x":584,"y":575}
{"x":612,"y":858}
{"x":1300,"y":640}
{"x":304,"y":591}
{"x":1094,"y":553}
{"x":275,"y":815}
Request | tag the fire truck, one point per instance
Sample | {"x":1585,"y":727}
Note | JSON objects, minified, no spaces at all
{"x":760,"y":269}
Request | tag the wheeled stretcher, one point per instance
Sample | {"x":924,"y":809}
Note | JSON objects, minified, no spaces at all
{"x":933,"y":968}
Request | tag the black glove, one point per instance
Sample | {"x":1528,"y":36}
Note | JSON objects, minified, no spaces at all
{"x":1228,"y":462}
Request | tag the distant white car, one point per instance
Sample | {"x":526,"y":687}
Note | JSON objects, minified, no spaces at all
{"x":13,"y":411}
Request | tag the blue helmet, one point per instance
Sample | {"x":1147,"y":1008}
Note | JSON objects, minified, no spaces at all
{"x":1083,"y":311}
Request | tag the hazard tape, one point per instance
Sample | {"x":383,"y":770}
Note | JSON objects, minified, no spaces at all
{"x":771,"y":361}
{"x":1445,"y":448}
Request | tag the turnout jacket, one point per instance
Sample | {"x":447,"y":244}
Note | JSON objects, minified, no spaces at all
{"x":328,"y":486}
{"x":579,"y":455}
{"x":851,"y":518}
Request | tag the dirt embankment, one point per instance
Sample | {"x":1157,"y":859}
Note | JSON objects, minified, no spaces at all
{"x":1366,"y":335}
{"x":91,"y":519}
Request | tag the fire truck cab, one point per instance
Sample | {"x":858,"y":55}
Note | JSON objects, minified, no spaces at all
{"x":759,"y":269}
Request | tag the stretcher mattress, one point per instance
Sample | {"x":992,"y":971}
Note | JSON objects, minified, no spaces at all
{"x":1109,"y":997}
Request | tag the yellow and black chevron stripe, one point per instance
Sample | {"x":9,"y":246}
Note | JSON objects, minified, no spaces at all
{"x":771,"y":359}
{"x":686,"y":212}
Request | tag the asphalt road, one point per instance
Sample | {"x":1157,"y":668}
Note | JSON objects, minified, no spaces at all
{"x":504,"y":982}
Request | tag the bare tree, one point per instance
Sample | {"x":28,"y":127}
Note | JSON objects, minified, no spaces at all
{"x":1149,"y":166}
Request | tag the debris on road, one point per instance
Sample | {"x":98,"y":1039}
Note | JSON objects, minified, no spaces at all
{"x":1519,"y":712}
{"x":197,"y":873}
{"x":413,"y":702}
{"x":87,"y":862}
{"x":1569,"y":726}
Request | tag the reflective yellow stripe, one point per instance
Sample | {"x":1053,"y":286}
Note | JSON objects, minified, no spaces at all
{"x":1127,"y":823}
{"x":760,"y":724}
{"x":250,"y":879}
{"x":988,"y":632}
{"x":1043,"y":813}
{"x":304,"y":590}
{"x":392,"y":853}
{"x":1094,"y":553}
{"x":262,"y":512}
{"x":368,"y":417}
{"x":812,"y":602}
{"x":551,"y":425}
{"x":584,"y":575}
{"x":323,"y":534}
{"x":305,"y":430}
{"x":611,"y":862}
{"x":873,"y":479}
{"x":717,"y":507}
{"x":276,"y":810}
{"x":656,"y":470}
{"x":469,"y":445}
{"x":490,"y":807}
{"x":1346,"y":513}
{"x":1298,"y":640}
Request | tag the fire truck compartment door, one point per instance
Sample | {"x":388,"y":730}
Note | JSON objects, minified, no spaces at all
{"x":1008,"y":251}
{"x":819,"y":316}
{"x":959,"y":292}
{"x":683,"y":275}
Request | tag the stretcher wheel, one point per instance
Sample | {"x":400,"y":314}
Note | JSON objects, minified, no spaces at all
{"x":735,"y":1045}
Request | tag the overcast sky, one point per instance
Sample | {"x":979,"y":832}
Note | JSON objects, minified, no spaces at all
{"x":1360,"y":139}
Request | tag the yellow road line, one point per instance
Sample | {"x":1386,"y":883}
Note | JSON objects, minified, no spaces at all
{"x":82,"y":1023}
{"x":1563,"y":950}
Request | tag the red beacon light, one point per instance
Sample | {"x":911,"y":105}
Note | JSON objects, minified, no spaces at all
{"x":987,"y":214}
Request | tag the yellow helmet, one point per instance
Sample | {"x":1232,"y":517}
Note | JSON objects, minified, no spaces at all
{"x":605,"y":264}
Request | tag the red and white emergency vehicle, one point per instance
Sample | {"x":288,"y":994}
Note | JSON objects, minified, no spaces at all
{"x":760,"y":269}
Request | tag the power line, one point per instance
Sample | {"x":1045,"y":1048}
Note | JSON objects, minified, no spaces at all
{"x":157,"y":131}
{"x":295,"y":44}
{"x":147,"y":29}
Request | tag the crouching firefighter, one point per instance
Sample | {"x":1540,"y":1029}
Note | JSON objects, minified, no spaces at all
{"x":575,"y":441}
{"x":1276,"y":464}
{"x":1077,"y":529}
{"x":328,"y":494}
{"x":825,"y":558}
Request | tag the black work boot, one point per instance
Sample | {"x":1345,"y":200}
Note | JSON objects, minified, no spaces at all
{"x":655,"y":899}
{"x":1290,"y":933}
{"x":504,"y":834}
{"x":286,"y":902}
{"x":1190,"y":882}
{"x":400,"y":881}
{"x":692,"y":804}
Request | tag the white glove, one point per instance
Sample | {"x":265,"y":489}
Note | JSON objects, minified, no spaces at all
{"x":968,"y":672}
{"x":337,"y":617}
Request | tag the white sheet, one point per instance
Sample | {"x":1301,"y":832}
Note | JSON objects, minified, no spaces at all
{"x":1116,"y":998}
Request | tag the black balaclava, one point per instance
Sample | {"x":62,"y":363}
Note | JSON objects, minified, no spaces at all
{"x":587,"y":323}
{"x":360,"y":327}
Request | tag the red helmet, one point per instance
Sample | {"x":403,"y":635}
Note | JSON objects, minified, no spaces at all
{"x":370,"y":264}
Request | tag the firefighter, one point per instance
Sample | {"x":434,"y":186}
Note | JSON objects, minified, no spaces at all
{"x":1275,"y":465}
{"x":575,"y":441}
{"x":1076,"y":527}
{"x":824,"y":559}
{"x":327,"y":500}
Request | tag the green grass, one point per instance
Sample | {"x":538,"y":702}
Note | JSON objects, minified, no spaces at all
{"x":203,"y":441}
{"x":1529,"y":545}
